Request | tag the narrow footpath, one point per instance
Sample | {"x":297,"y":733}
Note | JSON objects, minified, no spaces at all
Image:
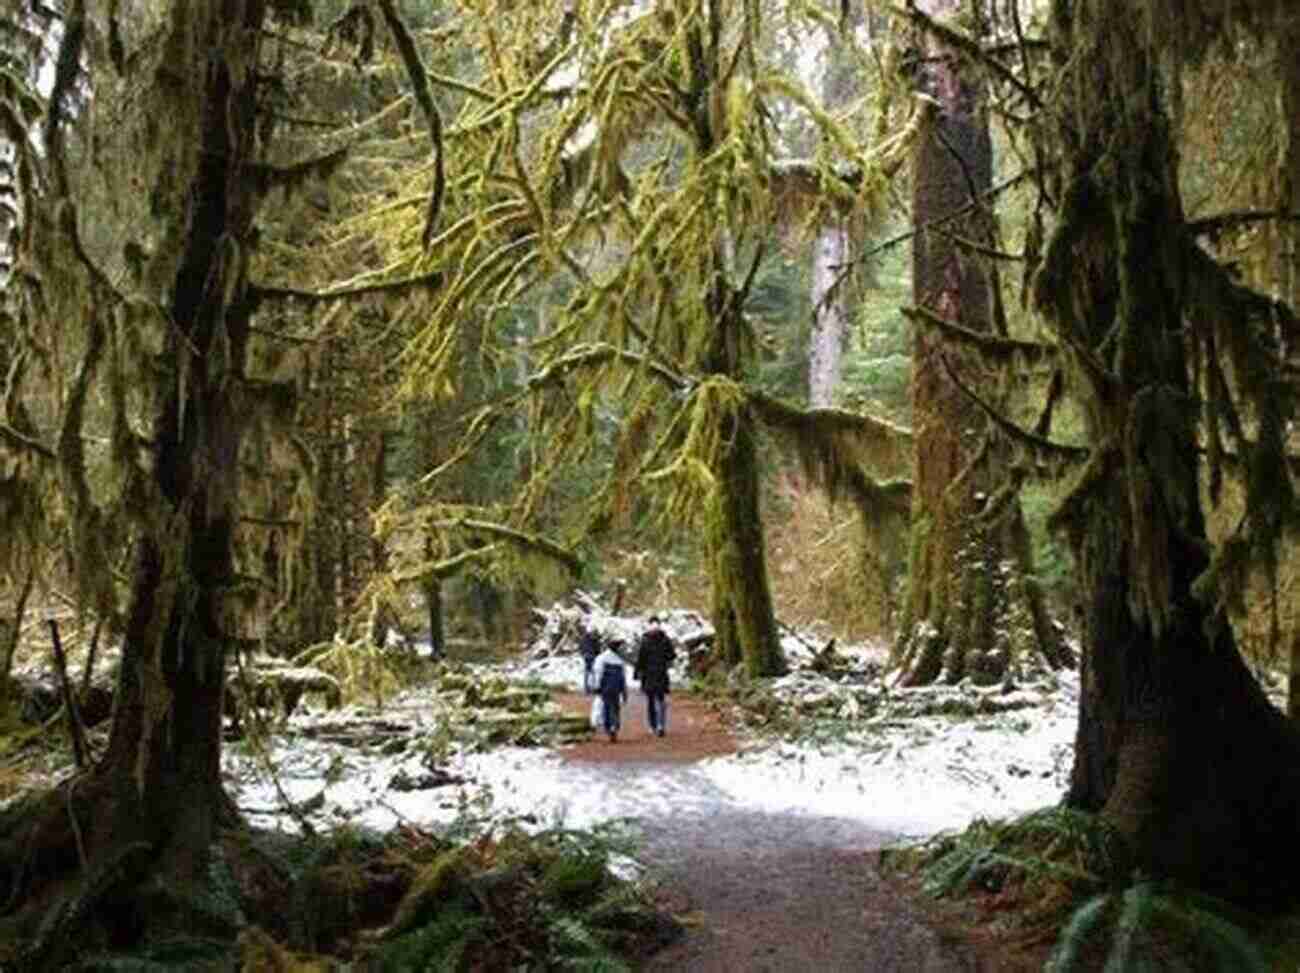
{"x":758,"y":892}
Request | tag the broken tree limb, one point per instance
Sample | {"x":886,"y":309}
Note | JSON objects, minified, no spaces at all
{"x":75,"y":730}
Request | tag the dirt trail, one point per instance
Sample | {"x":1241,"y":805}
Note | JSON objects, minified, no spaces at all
{"x":760,"y":892}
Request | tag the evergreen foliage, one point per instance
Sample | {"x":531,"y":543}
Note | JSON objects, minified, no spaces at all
{"x":547,"y":901}
{"x":1073,"y":876}
{"x":1155,"y":925}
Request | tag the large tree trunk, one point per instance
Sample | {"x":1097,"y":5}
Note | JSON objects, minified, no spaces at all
{"x":743,"y":618}
{"x":830,"y":313}
{"x":154,"y":800}
{"x":1289,"y":277}
{"x":1177,"y":747}
{"x":973,"y":608}
{"x":831,"y":247}
{"x":162,"y":765}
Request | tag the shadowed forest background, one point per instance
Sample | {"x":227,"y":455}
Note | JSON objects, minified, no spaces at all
{"x":330,"y":330}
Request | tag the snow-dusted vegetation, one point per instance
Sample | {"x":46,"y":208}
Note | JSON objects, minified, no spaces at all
{"x":836,"y":743}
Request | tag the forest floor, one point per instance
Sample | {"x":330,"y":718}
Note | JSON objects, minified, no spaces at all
{"x":761,"y":891}
{"x":761,"y":831}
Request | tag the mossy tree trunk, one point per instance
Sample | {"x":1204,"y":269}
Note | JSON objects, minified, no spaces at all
{"x":973,"y":609}
{"x":161,"y":769}
{"x":1177,"y":746}
{"x":1289,"y":277}
{"x":151,"y":806}
{"x":743,"y":617}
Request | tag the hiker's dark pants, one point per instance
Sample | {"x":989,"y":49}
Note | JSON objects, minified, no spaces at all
{"x":613,"y":710}
{"x":656,"y":710}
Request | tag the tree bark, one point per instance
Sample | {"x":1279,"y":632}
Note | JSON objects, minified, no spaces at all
{"x":743,"y":618}
{"x":155,"y":798}
{"x":1289,"y":271}
{"x":973,"y":608}
{"x":163,"y":759}
{"x":831,"y":248}
{"x":830,"y":314}
{"x":1177,"y":746}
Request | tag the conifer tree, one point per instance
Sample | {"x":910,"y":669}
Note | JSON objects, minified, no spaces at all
{"x":974,"y":609}
{"x":139,"y":260}
{"x":1179,"y":367}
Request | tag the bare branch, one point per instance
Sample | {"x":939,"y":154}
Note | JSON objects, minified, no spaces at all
{"x":258,"y":293}
{"x":27,"y":443}
{"x":1045,"y":449}
{"x":969,"y":47}
{"x":420,"y":83}
{"x":588,"y":356}
{"x":1214,"y":226}
{"x":270,"y":177}
{"x":992,"y":347}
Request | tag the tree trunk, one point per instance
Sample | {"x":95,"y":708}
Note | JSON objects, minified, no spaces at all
{"x":744,"y":621}
{"x":1166,"y":721}
{"x":163,"y":758}
{"x":432,"y":588}
{"x":830,"y":314}
{"x":830,"y":256}
{"x":1289,"y":276}
{"x":153,"y":802}
{"x":1177,"y":746}
{"x":15,"y":633}
{"x":743,"y":618}
{"x":973,"y":608}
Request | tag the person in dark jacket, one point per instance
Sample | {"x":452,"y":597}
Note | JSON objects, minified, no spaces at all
{"x":610,"y":680}
{"x":652,"y":664}
{"x":589,"y":647}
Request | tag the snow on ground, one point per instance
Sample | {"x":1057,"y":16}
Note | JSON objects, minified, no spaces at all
{"x":909,"y":776}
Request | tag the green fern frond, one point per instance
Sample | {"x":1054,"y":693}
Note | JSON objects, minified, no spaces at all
{"x":597,"y":964}
{"x":1082,"y":924}
{"x":1202,"y":926}
{"x":574,"y":877}
{"x":439,"y":945}
{"x":578,"y":947}
{"x":1202,"y":918}
{"x":572,"y":936}
{"x":1136,"y":907}
{"x":182,"y":954}
{"x":623,"y":899}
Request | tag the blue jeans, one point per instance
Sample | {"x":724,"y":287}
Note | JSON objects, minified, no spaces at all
{"x":613,"y":711}
{"x":656,"y":711}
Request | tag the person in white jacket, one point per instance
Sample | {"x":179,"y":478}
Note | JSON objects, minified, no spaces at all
{"x":609,"y":677}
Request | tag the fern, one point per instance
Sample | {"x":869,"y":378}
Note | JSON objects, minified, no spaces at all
{"x":439,"y":945}
{"x":1210,"y":921}
{"x":597,"y":964}
{"x":1086,"y":920}
{"x":1149,"y":913}
{"x":574,"y":877}
{"x":619,"y":902}
{"x":1132,"y":917}
{"x":182,"y":954}
{"x":577,"y":946}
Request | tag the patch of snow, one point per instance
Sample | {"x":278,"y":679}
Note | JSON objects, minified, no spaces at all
{"x":924,"y":776}
{"x":910,"y":777}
